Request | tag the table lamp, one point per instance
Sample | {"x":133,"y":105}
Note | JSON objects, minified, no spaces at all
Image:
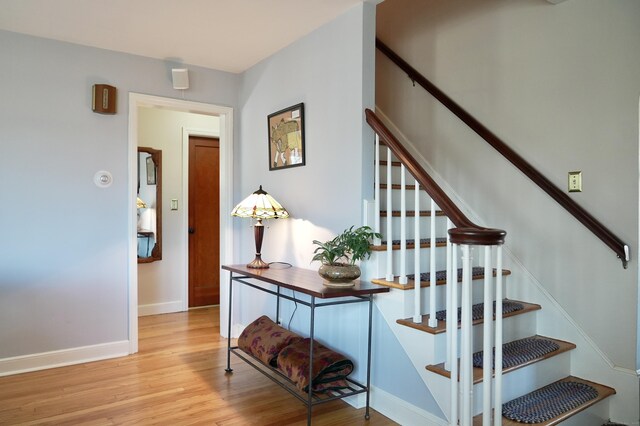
{"x":259,"y":205}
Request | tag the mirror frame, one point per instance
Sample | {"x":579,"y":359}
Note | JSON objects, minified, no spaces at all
{"x":156,"y":155}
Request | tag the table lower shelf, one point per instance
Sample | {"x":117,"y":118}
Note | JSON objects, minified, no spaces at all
{"x":283,"y":381}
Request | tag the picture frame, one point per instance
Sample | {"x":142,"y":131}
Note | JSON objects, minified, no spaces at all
{"x":151,"y":171}
{"x":286,"y":138}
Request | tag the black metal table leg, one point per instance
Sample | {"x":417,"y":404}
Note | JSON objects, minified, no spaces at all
{"x":311,"y":337}
{"x":366,"y":413}
{"x":278,"y":307}
{"x":229,"y":369}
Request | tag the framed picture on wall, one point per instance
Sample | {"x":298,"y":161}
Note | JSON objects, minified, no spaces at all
{"x":286,"y":138}
{"x":151,"y":171}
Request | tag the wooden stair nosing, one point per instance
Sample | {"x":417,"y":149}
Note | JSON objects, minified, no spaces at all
{"x":477,"y":372}
{"x":603,"y":393}
{"x":441,"y":327}
{"x":409,"y":246}
{"x":411,"y":213}
{"x":410,"y":285}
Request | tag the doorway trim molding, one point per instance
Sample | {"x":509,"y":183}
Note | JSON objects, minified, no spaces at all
{"x":225,"y":114}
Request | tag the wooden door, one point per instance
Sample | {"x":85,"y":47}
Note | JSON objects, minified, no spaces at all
{"x":204,"y":221}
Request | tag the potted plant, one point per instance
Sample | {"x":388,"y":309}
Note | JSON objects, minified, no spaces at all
{"x":339,"y":256}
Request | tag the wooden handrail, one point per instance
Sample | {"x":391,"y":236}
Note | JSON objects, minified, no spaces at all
{"x":595,"y":226}
{"x":466,"y":232}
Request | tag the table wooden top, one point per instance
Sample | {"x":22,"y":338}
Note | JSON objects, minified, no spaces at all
{"x":305,"y":281}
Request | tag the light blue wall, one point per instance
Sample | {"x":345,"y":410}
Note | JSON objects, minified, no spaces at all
{"x":63,"y":250}
{"x":332,"y":71}
{"x":325,"y":71}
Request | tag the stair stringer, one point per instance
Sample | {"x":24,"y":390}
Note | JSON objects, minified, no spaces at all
{"x":588,"y":360}
{"x":420,"y":351}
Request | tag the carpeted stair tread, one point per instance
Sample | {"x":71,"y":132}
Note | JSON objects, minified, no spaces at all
{"x":477,"y":310}
{"x":441,"y":327}
{"x":477,"y":274}
{"x":549,"y":402}
{"x":514,"y":363}
{"x":424,"y":243}
{"x":410,"y":213}
{"x":519,"y":352}
{"x":398,"y":186}
{"x":553,"y":403}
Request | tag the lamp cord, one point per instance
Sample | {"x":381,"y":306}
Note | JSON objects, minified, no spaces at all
{"x":288,"y":265}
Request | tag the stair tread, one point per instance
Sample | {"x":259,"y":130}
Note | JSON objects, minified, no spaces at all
{"x":393,"y":163}
{"x":442,"y":325}
{"x":603,"y":392}
{"x":424,"y":243}
{"x":398,"y":186}
{"x":478,"y":273}
{"x":477,"y":372}
{"x":411,"y":213}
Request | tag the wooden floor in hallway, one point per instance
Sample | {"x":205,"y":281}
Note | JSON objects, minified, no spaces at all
{"x":177,"y":378}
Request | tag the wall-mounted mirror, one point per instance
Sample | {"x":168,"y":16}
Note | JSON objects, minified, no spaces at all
{"x":149,"y":205}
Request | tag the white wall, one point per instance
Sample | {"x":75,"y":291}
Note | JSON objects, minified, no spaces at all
{"x":559,"y":84}
{"x":64,"y":247}
{"x":161,"y":284}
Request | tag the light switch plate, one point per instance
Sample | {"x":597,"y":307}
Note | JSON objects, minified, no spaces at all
{"x":174,"y":204}
{"x":575,"y":181}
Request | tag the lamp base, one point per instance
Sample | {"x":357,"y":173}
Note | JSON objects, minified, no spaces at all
{"x":258,"y":263}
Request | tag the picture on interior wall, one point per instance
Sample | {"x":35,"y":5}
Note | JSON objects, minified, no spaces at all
{"x":286,"y":138}
{"x":151,"y":171}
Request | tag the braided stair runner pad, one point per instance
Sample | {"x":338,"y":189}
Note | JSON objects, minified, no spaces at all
{"x":476,"y":271}
{"x":422,"y":241}
{"x":548,"y":402}
{"x":519,"y":352}
{"x":477,"y":310}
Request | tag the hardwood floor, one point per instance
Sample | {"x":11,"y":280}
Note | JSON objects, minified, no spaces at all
{"x":177,"y":378}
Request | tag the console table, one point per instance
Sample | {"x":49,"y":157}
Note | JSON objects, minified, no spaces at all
{"x":308,"y":282}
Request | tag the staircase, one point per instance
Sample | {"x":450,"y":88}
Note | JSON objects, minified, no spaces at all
{"x":447,"y":279}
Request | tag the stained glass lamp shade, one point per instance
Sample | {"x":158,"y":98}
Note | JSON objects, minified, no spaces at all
{"x":259,"y":205}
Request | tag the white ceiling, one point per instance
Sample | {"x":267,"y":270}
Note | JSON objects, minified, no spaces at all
{"x":228,"y":35}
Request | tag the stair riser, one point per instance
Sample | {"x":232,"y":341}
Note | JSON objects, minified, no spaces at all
{"x":596,"y":415}
{"x":514,"y":328}
{"x":441,"y":295}
{"x":424,"y":199}
{"x":521,"y":381}
{"x":425,"y":227}
{"x":441,"y":261}
{"x":395,"y":175}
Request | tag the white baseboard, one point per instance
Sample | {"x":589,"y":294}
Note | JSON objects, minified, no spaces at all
{"x":160,"y":308}
{"x":61,"y":358}
{"x":401,"y":411}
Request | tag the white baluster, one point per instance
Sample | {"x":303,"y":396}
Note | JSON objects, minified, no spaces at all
{"x":389,"y":276}
{"x":498,"y":369}
{"x":417,"y":297}
{"x":466,"y":362}
{"x":487,"y":342}
{"x":376,"y":219}
{"x":451,"y":282}
{"x":433,"y":322}
{"x":452,"y":317}
{"x":403,"y":226}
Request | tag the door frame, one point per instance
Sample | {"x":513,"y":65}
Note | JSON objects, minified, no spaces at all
{"x":224,"y":213}
{"x":225,"y":114}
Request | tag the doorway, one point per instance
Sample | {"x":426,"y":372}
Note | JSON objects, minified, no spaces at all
{"x":225,"y":114}
{"x":204,"y":221}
